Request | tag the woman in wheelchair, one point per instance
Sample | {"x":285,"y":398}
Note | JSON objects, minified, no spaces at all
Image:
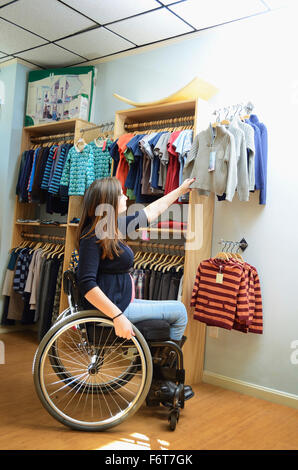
{"x":109,"y":352}
{"x":105,"y":260}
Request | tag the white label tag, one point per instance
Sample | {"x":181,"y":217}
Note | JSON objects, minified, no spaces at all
{"x":212,"y":160}
{"x":219,"y":278}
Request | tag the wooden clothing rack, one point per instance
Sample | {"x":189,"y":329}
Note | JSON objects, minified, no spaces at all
{"x":198,"y":236}
{"x":39,"y":237}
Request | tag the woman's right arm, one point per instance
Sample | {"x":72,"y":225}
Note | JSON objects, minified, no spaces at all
{"x":123,"y":326}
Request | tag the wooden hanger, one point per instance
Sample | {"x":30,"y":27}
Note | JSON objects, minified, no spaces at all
{"x":138,"y":264}
{"x":180,"y":267}
{"x":152,"y":257}
{"x":152,"y":265}
{"x":54,"y":252}
{"x":80,"y":144}
{"x":137,"y":255}
{"x":163,"y":262}
{"x":175,"y":262}
{"x":222,"y":255}
{"x":165,"y":266}
{"x":59,"y":250}
{"x":23,"y":245}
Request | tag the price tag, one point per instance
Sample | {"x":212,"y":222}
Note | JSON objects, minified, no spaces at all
{"x":219,"y":278}
{"x":212,"y":160}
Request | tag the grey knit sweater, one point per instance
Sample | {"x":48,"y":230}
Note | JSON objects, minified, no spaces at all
{"x":224,"y":178}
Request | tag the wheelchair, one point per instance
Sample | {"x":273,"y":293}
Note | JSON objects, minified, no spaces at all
{"x":90,"y":379}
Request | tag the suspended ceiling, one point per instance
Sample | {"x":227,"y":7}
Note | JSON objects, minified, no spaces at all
{"x":56,"y":33}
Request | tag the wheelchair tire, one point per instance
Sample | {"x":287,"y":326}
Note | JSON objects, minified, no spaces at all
{"x":90,"y":385}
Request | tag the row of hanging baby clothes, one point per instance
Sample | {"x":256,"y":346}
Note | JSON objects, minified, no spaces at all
{"x":32,"y":288}
{"x":150,"y":165}
{"x":83,"y":165}
{"x":227,"y":294}
{"x":39,"y":176}
{"x":156,"y":285}
{"x":228,"y":158}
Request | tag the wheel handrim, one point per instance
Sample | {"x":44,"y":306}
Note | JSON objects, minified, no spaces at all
{"x":80,"y":386}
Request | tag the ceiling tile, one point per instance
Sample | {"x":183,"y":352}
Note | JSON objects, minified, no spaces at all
{"x":50,"y":56}
{"x":151,"y":27}
{"x":50,"y":19}
{"x":206,"y":14}
{"x":4,"y":59}
{"x":14,"y":39}
{"x":96,"y":43}
{"x":280,"y":3}
{"x":168,"y":2}
{"x":104,"y":11}
{"x":4,"y":2}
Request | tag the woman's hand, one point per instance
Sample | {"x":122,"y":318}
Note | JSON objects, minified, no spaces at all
{"x":184,"y":187}
{"x":123,"y":327}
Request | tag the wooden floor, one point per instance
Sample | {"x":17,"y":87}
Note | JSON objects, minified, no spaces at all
{"x":214,"y":419}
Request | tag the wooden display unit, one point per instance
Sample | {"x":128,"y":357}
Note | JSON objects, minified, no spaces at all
{"x":200,"y":222}
{"x":199,"y":206}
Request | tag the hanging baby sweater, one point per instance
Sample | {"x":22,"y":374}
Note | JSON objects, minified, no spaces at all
{"x":78,"y":172}
{"x":102,"y":158}
{"x":223,"y":179}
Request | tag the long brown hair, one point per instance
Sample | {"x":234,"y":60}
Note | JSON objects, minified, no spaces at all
{"x":102,"y":193}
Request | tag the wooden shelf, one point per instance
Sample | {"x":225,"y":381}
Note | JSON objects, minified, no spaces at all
{"x":37,"y":224}
{"x":55,"y":127}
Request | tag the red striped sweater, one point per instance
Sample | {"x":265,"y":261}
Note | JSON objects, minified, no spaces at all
{"x":236,"y":303}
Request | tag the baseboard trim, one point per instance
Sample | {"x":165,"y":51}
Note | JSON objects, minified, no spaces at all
{"x":257,"y":391}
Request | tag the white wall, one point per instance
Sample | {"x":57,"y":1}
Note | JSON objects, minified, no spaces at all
{"x":250,"y":60}
{"x":14,"y":77}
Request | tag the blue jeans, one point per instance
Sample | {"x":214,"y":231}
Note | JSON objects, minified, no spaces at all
{"x":173,"y":311}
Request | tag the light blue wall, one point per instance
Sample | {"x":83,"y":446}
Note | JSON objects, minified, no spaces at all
{"x":247,"y":60}
{"x":14,"y":78}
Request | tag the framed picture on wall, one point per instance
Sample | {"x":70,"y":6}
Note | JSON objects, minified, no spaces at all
{"x":59,"y":94}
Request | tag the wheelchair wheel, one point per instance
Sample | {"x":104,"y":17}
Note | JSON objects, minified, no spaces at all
{"x":87,"y":377}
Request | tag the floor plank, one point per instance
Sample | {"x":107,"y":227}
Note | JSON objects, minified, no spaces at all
{"x":214,"y":419}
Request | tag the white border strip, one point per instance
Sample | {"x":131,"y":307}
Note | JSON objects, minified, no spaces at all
{"x":257,"y":391}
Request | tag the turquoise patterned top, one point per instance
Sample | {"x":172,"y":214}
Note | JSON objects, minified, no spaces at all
{"x":102,"y":158}
{"x":78,"y":172}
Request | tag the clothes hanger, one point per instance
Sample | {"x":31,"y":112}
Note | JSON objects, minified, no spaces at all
{"x":59,"y":250}
{"x":152,"y":265}
{"x":61,"y":254}
{"x":80,"y":144}
{"x":169,"y":263}
{"x":225,"y":121}
{"x":56,"y":251}
{"x":23,"y":245}
{"x":222,"y":255}
{"x":175,"y":262}
{"x":38,"y":245}
{"x":152,"y":257}
{"x":137,"y":265}
{"x":137,"y":255}
{"x":180,"y":267}
{"x":49,"y":248}
{"x":163,"y":262}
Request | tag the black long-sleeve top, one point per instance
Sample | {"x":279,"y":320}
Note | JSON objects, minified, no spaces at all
{"x":117,"y":287}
